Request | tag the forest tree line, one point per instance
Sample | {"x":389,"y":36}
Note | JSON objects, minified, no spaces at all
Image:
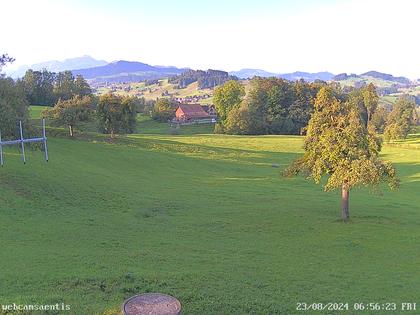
{"x":46,"y":88}
{"x":205,"y":79}
{"x":278,"y":106}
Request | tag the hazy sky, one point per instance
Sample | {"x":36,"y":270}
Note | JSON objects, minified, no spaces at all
{"x":279,"y":36}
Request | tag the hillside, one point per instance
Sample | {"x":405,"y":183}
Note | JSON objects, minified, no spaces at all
{"x":201,"y":217}
{"x":126,"y":71}
{"x":161,"y":88}
{"x":381,"y":80}
{"x":298,"y":75}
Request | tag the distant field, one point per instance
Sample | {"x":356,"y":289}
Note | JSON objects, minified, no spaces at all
{"x":146,"y":125}
{"x":154,"y":91}
{"x":377,"y":82}
{"x":205,"y":218}
{"x":35,"y":111}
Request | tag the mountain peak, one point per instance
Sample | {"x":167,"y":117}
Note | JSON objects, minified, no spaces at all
{"x":84,"y":61}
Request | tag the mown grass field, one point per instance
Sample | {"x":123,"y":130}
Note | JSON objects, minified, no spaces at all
{"x":205,"y":218}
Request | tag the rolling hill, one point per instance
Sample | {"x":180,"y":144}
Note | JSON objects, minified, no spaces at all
{"x":126,"y":71}
{"x":381,"y":80}
{"x":201,"y":217}
{"x":293,"y":76}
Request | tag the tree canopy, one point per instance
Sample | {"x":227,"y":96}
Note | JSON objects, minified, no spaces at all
{"x":46,"y":88}
{"x":164,"y":109}
{"x":116,"y":114}
{"x":272,"y":106}
{"x":227,"y":97}
{"x":402,"y":119}
{"x":71,"y":112}
{"x":13,"y":107}
{"x":340,"y":147}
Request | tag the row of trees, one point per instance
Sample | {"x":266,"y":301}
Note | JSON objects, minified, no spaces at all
{"x":74,"y":105}
{"x":205,"y":79}
{"x":278,"y":106}
{"x":115,"y":114}
{"x":401,"y":120}
{"x":46,"y":88}
{"x":272,"y":106}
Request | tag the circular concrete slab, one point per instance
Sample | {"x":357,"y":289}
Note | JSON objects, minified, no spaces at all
{"x":152,"y":304}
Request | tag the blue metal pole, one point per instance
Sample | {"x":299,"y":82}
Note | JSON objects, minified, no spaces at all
{"x":21,"y":142}
{"x":1,"y":152}
{"x":45,"y":140}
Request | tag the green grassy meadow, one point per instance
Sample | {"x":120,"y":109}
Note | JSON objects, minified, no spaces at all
{"x":35,"y":111}
{"x":205,"y":218}
{"x":154,"y":91}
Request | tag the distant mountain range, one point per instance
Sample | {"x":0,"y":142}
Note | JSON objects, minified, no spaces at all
{"x":57,"y":66}
{"x":376,"y":77}
{"x":100,"y":71}
{"x":307,"y":76}
{"x":127,"y":71}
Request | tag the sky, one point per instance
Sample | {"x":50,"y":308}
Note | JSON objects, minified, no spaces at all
{"x":352,"y":36}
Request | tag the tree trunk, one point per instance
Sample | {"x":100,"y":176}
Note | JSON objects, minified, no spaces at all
{"x":345,"y":203}
{"x":112,"y":134}
{"x":71,"y":130}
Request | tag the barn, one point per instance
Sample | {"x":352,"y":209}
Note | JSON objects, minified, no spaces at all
{"x":188,"y":112}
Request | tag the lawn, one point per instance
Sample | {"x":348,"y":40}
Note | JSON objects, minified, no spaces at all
{"x":35,"y":111}
{"x":205,"y":218}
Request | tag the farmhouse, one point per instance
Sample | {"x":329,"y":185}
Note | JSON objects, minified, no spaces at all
{"x":190,"y":112}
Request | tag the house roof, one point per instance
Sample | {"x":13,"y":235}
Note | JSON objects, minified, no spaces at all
{"x":193,"y":110}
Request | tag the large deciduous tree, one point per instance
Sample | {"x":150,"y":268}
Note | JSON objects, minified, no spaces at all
{"x":402,"y":119}
{"x":13,"y":107}
{"x":71,"y":112}
{"x":164,"y":109}
{"x":227,"y":97}
{"x":340,"y":146}
{"x":39,"y":87}
{"x":13,"y":103}
{"x":64,"y":85}
{"x":116,"y":114}
{"x":81,"y":87}
{"x":370,"y":100}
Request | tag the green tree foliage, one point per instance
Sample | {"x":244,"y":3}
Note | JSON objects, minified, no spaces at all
{"x":81,"y":87}
{"x":227,"y":97}
{"x":64,"y":85}
{"x":13,"y":107}
{"x":39,"y":87}
{"x":13,"y":103}
{"x":272,"y":106}
{"x":339,"y":146}
{"x":164,"y":109}
{"x":366,"y":99}
{"x":379,"y":119}
{"x":242,"y":119}
{"x":46,"y":88}
{"x":205,"y":79}
{"x":116,"y":114}
{"x":370,"y":100}
{"x":71,"y":112}
{"x":402,"y":119}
